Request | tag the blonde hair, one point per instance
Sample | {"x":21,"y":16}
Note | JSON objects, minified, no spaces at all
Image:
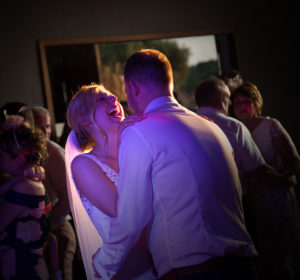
{"x":82,"y":105}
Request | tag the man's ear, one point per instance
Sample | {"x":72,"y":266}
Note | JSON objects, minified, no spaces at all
{"x":135,"y":87}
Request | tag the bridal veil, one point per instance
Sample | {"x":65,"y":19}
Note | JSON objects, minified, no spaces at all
{"x":88,"y":237}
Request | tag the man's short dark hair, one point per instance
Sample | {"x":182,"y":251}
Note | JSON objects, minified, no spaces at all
{"x":149,"y":66}
{"x":209,"y":92}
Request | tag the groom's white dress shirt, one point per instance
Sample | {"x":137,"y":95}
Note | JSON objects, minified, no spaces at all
{"x":177,"y":178}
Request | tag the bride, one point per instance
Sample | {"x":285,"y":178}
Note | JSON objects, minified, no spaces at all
{"x":96,"y":119}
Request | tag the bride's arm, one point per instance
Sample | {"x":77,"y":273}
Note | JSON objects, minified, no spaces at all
{"x":93,"y":184}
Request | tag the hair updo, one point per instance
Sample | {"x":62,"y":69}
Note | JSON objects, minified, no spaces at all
{"x":82,"y":105}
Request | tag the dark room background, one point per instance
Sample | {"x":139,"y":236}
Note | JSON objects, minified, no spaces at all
{"x":264,"y":31}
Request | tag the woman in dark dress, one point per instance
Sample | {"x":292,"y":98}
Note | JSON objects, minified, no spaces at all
{"x":24,"y":205}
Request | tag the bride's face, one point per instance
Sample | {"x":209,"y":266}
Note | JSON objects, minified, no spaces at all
{"x":108,"y":111}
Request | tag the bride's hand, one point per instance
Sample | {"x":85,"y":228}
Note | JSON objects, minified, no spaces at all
{"x":130,"y":120}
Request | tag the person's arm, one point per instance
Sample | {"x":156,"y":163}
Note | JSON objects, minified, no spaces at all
{"x":270,"y":177}
{"x":249,"y":154}
{"x":93,"y":184}
{"x":134,"y":203}
{"x":56,"y":176}
{"x":33,"y":172}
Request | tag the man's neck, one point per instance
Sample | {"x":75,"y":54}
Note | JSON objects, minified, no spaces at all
{"x":153,"y":97}
{"x":221,"y":109}
{"x":218,"y":108}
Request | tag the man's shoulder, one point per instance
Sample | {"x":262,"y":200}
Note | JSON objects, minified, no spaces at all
{"x":227,"y":122}
{"x":234,"y":122}
{"x":51,"y":145}
{"x":271,"y":121}
{"x":168,"y":117}
{"x":158,"y":122}
{"x":55,"y":152}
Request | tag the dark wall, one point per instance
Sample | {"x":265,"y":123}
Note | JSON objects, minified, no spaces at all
{"x":264,"y":33}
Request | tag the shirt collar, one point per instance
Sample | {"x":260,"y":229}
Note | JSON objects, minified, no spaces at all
{"x":206,"y":110}
{"x":157,"y":102}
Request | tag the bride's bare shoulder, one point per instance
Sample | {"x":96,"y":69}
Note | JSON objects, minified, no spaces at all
{"x":82,"y":161}
{"x":85,"y":167}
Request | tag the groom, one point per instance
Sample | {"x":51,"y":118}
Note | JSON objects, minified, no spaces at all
{"x":179,"y":180}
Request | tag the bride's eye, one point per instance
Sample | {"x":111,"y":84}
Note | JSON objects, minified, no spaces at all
{"x":100,"y":99}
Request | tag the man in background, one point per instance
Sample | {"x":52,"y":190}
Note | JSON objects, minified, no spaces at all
{"x":55,"y":184}
{"x":213,"y":101}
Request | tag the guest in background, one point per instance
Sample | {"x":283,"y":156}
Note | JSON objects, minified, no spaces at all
{"x":56,"y":187}
{"x":25,"y":207}
{"x":213,"y":101}
{"x":278,"y":234}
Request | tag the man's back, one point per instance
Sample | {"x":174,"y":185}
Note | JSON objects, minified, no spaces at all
{"x":178,"y":179}
{"x":189,"y":182}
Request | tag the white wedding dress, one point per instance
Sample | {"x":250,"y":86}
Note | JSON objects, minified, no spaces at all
{"x":99,"y":219}
{"x":93,"y":226}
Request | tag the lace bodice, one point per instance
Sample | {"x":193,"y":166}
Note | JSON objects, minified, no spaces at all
{"x":98,"y":218}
